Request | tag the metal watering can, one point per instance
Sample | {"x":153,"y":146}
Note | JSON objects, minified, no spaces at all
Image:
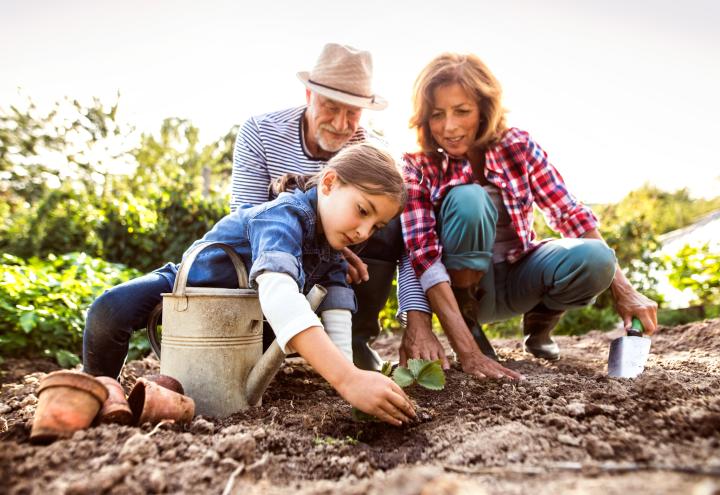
{"x":212,"y":340}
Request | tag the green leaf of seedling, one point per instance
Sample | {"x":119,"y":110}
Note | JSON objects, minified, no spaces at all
{"x":358,"y":415}
{"x":416,"y":365}
{"x":403,"y":377}
{"x":66,"y":359}
{"x":386,"y":368}
{"x":432,"y":376}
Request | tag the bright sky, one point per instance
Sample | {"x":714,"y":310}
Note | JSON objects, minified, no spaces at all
{"x":617,"y":92}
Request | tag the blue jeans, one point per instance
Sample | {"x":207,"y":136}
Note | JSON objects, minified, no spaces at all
{"x":561,"y":274}
{"x":112,"y":319}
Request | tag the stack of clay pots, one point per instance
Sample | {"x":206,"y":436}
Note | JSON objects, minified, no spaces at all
{"x":69,"y":401}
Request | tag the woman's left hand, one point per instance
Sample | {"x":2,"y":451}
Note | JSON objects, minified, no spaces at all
{"x":629,"y":303}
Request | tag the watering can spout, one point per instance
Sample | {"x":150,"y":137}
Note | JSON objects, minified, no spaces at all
{"x":267,"y":367}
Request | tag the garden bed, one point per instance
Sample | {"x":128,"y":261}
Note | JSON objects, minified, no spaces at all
{"x":566,"y":428}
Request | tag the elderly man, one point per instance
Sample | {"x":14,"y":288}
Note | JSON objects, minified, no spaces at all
{"x":301,"y":140}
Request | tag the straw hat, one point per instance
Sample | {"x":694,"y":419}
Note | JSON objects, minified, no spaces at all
{"x":344,"y":74}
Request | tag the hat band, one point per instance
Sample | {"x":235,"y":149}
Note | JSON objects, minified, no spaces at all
{"x":372,"y":97}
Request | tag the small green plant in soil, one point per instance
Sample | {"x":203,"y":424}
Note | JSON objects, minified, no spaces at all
{"x":427,"y":374}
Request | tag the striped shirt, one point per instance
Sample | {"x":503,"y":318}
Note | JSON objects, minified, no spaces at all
{"x":519,"y":168}
{"x":268,"y":146}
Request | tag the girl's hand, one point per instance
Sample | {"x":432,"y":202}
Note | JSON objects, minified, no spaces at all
{"x":376,"y":394}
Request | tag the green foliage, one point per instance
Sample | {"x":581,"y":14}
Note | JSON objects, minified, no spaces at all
{"x":143,"y":233}
{"x":510,"y":328}
{"x":74,"y":143}
{"x":388,"y":321}
{"x":173,"y":195}
{"x":427,"y":374}
{"x":697,"y":268}
{"x":43,"y":303}
{"x":327,"y":440}
{"x":582,"y":320}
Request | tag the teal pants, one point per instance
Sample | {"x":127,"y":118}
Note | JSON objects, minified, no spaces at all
{"x":561,"y":274}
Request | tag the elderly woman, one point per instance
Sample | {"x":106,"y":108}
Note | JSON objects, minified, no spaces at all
{"x":468,"y":228}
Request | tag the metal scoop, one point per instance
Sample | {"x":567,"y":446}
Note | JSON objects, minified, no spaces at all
{"x":629,"y":354}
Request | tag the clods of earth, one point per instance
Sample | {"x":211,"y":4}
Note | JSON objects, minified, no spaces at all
{"x":567,"y":428}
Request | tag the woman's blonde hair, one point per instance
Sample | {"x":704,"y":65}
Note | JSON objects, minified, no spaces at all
{"x":476,"y":79}
{"x":370,"y":169}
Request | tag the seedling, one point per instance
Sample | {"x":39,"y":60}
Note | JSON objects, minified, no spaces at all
{"x":427,"y":374}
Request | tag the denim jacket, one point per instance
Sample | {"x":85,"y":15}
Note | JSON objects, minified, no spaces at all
{"x":277,"y":236}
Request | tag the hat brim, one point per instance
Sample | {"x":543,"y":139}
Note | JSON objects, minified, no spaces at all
{"x":373,"y":103}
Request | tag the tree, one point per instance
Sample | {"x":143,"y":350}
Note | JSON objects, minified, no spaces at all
{"x":73,"y":143}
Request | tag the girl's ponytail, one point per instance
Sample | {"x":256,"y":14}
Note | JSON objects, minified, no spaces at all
{"x":290,"y":182}
{"x":363,"y":165}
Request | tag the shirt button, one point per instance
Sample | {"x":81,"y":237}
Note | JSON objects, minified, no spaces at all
{"x":503,"y":184}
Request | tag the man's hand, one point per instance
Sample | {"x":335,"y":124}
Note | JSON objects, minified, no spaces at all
{"x":357,"y":270}
{"x":481,"y":366}
{"x":419,"y":341}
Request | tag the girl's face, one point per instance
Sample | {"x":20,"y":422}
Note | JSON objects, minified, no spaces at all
{"x":454,"y":120}
{"x":348,"y":215}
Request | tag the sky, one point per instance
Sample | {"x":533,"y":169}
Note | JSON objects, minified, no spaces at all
{"x":618,"y":93}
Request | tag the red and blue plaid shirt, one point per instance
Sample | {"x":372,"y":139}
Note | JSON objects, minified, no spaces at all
{"x":518,"y":167}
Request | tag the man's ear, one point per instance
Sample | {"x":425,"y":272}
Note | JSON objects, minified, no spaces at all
{"x":308,"y":95}
{"x":328,"y":181}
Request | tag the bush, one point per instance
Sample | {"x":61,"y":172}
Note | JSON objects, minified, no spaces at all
{"x":142,"y":233}
{"x":43,"y":303}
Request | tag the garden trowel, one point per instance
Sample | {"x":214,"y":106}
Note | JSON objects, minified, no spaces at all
{"x":628,"y":354}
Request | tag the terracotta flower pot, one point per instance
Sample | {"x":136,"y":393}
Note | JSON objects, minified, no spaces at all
{"x":152,"y":403}
{"x":168,"y":382}
{"x":116,"y":408}
{"x":67,"y":401}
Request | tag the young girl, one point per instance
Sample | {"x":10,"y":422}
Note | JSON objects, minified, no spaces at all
{"x":288,"y":245}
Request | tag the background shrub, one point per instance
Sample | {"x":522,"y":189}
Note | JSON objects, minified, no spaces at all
{"x":43,"y":303}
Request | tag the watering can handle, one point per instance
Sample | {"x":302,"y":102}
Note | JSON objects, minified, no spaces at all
{"x":184,"y":271}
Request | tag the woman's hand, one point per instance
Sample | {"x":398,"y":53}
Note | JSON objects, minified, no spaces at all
{"x":357,"y":269}
{"x":629,"y":303}
{"x":478,"y":364}
{"x":419,"y":341}
{"x":374,"y":393}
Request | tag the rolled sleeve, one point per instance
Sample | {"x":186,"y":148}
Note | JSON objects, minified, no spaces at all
{"x":434,"y":275}
{"x":280,"y":262}
{"x":339,"y":298}
{"x":411,"y":296}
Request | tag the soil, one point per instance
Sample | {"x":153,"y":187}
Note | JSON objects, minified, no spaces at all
{"x":567,"y":428}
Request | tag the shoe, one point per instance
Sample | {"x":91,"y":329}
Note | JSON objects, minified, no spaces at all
{"x":538,"y":323}
{"x":371,"y":297}
{"x":467,"y":299}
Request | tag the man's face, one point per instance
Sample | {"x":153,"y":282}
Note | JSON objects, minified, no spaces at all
{"x":330,"y":124}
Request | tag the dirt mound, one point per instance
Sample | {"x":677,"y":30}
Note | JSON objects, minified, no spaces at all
{"x":567,"y":427}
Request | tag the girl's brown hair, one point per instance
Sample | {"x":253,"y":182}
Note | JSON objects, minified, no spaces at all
{"x":476,"y":79}
{"x":370,"y":169}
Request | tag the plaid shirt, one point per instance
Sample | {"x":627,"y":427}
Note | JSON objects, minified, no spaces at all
{"x":518,"y":167}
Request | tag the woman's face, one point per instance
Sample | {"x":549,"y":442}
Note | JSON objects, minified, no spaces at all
{"x":454,"y":119}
